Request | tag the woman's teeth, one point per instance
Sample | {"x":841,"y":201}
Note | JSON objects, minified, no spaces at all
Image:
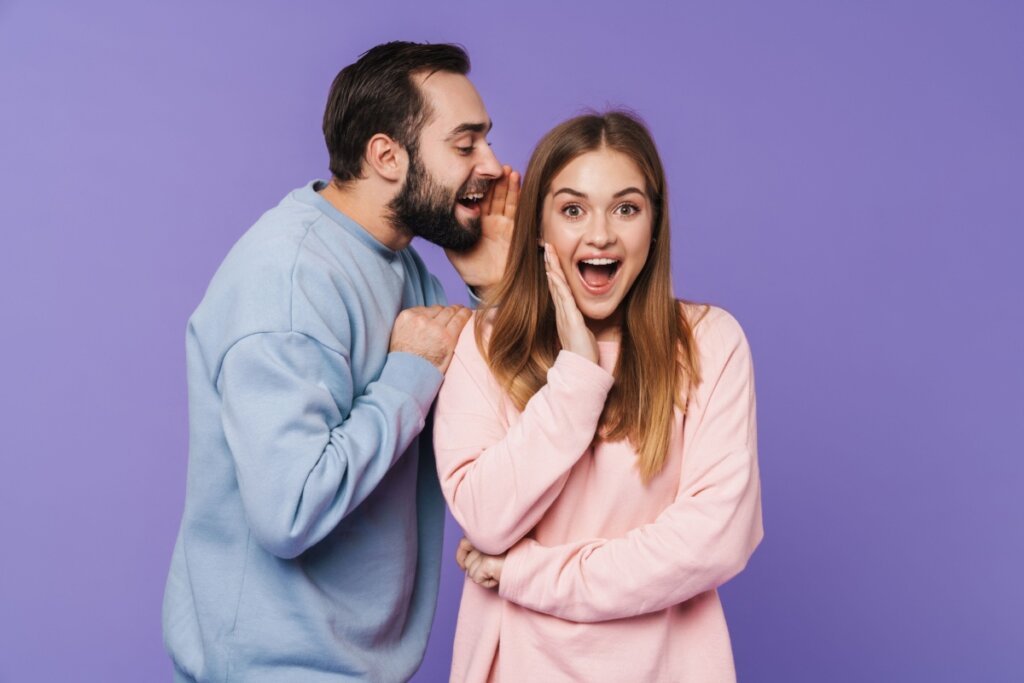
{"x":598,"y":272}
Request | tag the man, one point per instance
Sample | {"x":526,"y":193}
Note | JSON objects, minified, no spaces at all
{"x":310,"y":541}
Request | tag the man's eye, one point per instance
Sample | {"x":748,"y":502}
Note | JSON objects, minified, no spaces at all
{"x":465,"y":151}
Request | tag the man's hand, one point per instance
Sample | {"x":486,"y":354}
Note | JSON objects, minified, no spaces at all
{"x":484,"y":570}
{"x":430,"y":332}
{"x":482,"y":266}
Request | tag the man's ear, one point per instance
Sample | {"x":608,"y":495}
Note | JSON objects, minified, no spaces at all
{"x":386,"y":158}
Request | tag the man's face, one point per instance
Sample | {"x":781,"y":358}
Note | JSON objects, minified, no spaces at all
{"x":452,"y":168}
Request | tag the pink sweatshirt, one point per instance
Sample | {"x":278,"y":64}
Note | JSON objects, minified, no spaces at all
{"x":606,"y":578}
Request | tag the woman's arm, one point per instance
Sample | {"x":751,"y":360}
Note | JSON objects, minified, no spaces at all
{"x":500,"y":480}
{"x":698,"y":543}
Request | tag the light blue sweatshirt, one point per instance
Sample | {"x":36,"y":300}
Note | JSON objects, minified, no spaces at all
{"x":310,"y":544}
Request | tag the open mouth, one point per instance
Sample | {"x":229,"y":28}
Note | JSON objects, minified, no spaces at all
{"x":598,"y":273}
{"x":471,"y":200}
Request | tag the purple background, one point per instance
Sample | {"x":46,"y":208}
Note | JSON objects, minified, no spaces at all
{"x":847,"y":179}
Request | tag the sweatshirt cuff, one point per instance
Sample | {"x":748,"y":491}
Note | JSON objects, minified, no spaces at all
{"x":412,"y":375}
{"x":513,"y":572}
{"x":575,"y":365}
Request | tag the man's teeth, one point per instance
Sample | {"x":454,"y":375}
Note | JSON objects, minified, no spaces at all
{"x":473,"y":197}
{"x":599,"y":261}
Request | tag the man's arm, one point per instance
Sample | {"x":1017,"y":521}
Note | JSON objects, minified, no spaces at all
{"x":302,"y":464}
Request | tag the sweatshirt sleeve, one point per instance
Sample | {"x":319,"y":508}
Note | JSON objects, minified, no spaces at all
{"x":500,"y":480}
{"x":698,"y":543}
{"x":303,"y":464}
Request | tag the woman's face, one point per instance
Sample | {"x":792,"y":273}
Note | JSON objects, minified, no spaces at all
{"x":598,"y":218}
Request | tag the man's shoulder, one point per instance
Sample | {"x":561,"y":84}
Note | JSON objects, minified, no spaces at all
{"x":264,"y":256}
{"x":251,"y":289}
{"x":473,"y":340}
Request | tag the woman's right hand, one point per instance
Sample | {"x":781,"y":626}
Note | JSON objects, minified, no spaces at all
{"x":573,"y":332}
{"x":483,"y":570}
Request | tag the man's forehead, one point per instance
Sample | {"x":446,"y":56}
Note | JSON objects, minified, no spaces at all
{"x":455,"y":103}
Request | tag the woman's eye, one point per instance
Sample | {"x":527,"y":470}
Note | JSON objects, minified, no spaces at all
{"x":628,"y":209}
{"x":572,"y":211}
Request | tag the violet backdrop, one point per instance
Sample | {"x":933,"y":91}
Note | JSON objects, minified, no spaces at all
{"x":846,"y":178}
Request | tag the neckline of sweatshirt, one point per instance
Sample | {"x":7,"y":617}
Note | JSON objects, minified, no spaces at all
{"x":310,"y":195}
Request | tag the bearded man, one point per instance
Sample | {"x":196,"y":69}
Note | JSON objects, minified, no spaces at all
{"x":310,"y":541}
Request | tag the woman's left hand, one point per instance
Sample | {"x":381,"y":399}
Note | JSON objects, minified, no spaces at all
{"x":483,"y":570}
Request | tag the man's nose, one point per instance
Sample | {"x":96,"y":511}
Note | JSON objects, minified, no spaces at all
{"x":488,"y":166}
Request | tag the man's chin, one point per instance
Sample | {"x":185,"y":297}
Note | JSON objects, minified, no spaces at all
{"x":467,"y":237}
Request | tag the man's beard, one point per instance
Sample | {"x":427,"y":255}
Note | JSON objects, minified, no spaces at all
{"x":427,"y":209}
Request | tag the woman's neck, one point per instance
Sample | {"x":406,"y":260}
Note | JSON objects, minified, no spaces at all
{"x":607,"y":330}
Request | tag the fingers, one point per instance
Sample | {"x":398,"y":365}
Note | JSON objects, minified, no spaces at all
{"x":458,"y":321}
{"x":481,"y":569}
{"x":561,"y":292}
{"x":430,"y":332}
{"x":502,"y":197}
{"x":512,"y":198}
{"x":477,"y":571}
{"x":550,"y":265}
{"x":569,"y":321}
{"x":461,"y":552}
{"x":551,"y":260}
{"x":500,"y":191}
{"x":445,"y":315}
{"x":487,"y":204}
{"x":428,"y":311}
{"x":473,"y":560}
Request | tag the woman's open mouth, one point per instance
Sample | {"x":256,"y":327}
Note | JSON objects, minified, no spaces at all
{"x":598,"y":274}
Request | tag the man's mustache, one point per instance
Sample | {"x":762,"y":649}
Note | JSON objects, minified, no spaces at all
{"x":471,"y":187}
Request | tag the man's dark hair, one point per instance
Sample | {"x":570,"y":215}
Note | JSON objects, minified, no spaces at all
{"x":377,"y":94}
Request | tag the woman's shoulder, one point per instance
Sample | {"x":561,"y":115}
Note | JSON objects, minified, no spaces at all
{"x":713,"y":327}
{"x":467,"y":349}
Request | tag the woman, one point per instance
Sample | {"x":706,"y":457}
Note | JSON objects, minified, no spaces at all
{"x":595,"y":438}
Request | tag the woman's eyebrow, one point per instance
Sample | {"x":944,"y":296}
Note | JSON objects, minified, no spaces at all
{"x":577,"y":193}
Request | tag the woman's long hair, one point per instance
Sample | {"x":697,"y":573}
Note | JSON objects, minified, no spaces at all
{"x":658,"y":360}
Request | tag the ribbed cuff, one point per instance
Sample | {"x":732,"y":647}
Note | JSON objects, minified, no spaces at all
{"x":412,"y":375}
{"x":512,"y":573}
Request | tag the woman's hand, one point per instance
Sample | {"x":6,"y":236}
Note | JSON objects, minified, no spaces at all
{"x":573,"y":332}
{"x":483,"y":570}
{"x":482,"y":266}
